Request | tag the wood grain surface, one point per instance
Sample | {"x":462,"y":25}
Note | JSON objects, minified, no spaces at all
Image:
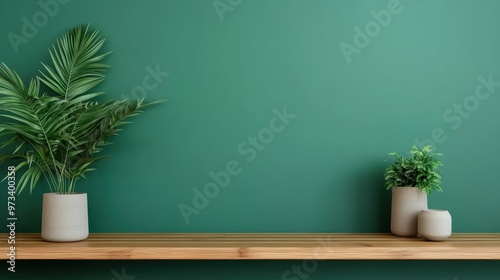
{"x":254,"y":246}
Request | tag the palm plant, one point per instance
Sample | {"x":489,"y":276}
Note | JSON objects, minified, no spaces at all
{"x":57,"y":134}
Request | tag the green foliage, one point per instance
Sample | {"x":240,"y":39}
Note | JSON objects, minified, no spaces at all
{"x":419,"y":170}
{"x":57,"y":134}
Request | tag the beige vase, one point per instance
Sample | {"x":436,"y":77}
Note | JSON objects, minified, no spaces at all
{"x":407,"y":202}
{"x":434,"y":224}
{"x":64,"y":217}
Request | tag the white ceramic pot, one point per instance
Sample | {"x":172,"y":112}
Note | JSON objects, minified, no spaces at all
{"x":407,"y":202}
{"x":434,"y":224}
{"x":65,"y":217}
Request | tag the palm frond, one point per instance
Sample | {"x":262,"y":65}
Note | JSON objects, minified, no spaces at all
{"x":75,"y":60}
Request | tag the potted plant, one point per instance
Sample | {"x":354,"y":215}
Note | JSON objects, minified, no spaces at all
{"x":411,"y":180}
{"x":54,"y":128}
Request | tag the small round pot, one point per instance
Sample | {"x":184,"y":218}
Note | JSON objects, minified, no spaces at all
{"x":65,"y":217}
{"x":434,"y":224}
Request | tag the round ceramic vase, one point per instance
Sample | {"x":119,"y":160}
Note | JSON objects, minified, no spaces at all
{"x":434,"y":224}
{"x":64,"y":217}
{"x":407,"y":202}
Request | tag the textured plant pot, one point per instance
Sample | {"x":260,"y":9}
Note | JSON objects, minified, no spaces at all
{"x":434,"y":224}
{"x":65,"y":217}
{"x":407,"y":202}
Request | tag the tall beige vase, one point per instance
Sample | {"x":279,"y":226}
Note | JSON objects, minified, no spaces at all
{"x":65,"y":217}
{"x":407,"y":202}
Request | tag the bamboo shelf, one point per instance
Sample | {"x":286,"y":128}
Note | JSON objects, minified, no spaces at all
{"x":254,"y":246}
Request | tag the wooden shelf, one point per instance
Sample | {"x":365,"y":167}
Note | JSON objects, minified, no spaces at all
{"x":260,"y":246}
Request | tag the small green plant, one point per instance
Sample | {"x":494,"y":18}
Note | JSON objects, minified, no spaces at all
{"x":419,"y":170}
{"x":55,"y":132}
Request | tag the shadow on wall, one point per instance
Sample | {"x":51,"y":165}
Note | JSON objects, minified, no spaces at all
{"x":371,"y":206}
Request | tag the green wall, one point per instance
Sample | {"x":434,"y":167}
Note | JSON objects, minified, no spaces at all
{"x":353,"y":90}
